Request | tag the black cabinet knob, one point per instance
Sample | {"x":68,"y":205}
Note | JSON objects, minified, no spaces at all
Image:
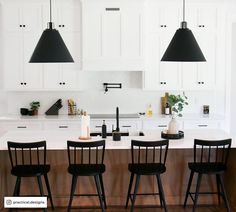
{"x":60,"y":83}
{"x":63,"y":25}
{"x":164,"y":83}
{"x":21,"y":83}
{"x":20,"y":25}
{"x":63,"y":83}
{"x":23,"y":25}
{"x":25,"y":83}
{"x":59,"y":25}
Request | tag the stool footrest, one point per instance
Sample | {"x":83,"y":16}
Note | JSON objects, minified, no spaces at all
{"x":86,"y":195}
{"x":191,"y":194}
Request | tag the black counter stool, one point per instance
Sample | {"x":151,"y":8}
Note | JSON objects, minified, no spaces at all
{"x":152,"y":163}
{"x":86,"y":159}
{"x":210,"y":158}
{"x":29,"y":160}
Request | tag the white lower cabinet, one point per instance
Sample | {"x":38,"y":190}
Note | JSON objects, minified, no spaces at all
{"x":155,"y":125}
{"x":22,"y":125}
{"x":96,"y":125}
{"x":124,"y":125}
{"x":63,"y":125}
{"x":202,"y":124}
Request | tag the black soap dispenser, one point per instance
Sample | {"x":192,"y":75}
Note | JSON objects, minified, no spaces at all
{"x":104,"y":129}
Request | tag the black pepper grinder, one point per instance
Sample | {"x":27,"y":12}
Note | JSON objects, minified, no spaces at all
{"x":104,"y":129}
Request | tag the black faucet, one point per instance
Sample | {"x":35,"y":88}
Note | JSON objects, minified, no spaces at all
{"x":117,"y":120}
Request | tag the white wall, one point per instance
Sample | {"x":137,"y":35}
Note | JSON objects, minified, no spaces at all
{"x":233,"y":84}
{"x":95,"y":101}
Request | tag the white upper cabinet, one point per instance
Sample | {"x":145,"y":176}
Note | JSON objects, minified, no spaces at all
{"x":161,"y":22}
{"x":56,"y":77}
{"x":66,"y":16}
{"x":22,"y":28}
{"x":202,"y":20}
{"x":112,"y":35}
{"x":25,"y":16}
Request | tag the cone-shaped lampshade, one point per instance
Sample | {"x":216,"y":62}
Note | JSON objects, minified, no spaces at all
{"x":183,"y":48}
{"x":51,"y":49}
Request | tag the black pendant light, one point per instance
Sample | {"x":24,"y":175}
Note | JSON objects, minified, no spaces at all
{"x":51,"y":47}
{"x":183,"y":46}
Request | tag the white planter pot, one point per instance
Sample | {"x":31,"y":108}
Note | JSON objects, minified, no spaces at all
{"x":173,"y":127}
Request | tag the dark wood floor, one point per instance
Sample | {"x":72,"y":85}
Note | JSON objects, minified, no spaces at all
{"x":121,"y":209}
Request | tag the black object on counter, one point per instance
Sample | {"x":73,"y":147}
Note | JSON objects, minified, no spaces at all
{"x":104,"y":129}
{"x":116,"y":136}
{"x":24,"y":111}
{"x":172,"y":136}
{"x":117,"y":120}
{"x":53,"y":110}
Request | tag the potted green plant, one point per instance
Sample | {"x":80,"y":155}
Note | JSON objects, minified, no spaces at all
{"x":177,"y":103}
{"x":34,"y":106}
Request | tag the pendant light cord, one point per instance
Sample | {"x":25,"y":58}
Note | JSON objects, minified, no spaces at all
{"x":183,"y":10}
{"x":50,"y":10}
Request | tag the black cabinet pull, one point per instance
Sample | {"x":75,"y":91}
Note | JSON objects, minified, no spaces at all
{"x":112,"y":9}
{"x":21,"y":127}
{"x":164,"y":125}
{"x":98,"y":126}
{"x":63,"y":127}
{"x":126,"y":126}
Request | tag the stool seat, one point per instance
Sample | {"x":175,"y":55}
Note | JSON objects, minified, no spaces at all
{"x":30,"y":170}
{"x":29,"y":160}
{"x":148,"y":158}
{"x":86,"y":169}
{"x":207,"y":168}
{"x":209,"y":158}
{"x":147,"y":168}
{"x":86,"y":159}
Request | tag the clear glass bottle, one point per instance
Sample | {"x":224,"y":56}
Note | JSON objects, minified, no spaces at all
{"x":149,"y":111}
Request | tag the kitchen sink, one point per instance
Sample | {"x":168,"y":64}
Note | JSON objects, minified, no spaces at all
{"x":122,"y":134}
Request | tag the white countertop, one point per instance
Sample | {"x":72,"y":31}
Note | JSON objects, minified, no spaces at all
{"x":57,"y":140}
{"x":78,"y":118}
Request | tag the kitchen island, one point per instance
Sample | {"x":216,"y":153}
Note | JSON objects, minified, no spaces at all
{"x":116,"y":177}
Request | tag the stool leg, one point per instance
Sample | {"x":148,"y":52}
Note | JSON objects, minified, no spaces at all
{"x":73,"y":186}
{"x":161,"y":191}
{"x":49,"y":190}
{"x":96,"y":177}
{"x":103,"y":191}
{"x":135,"y":192}
{"x":199,"y":178}
{"x":129,"y":189}
{"x":41,"y":188}
{"x":17,"y":185}
{"x":218,"y":187}
{"x":188,"y":188}
{"x":224,"y":193}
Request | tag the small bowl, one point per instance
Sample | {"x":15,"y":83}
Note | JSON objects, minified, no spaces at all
{"x":24,"y":111}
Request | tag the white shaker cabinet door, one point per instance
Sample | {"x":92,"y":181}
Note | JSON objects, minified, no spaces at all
{"x":112,"y":35}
